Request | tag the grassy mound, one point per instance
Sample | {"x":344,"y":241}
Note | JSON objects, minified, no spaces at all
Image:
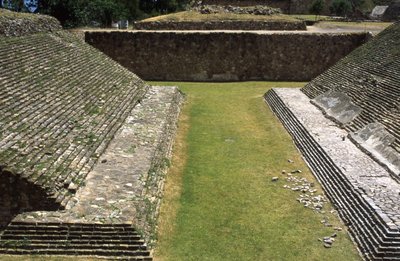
{"x":192,"y":16}
{"x":192,"y":20}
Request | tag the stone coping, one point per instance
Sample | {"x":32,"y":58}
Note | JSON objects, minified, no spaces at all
{"x":267,"y":32}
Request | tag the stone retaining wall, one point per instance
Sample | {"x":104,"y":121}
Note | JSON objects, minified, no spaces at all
{"x":225,"y":56}
{"x":222,"y":25}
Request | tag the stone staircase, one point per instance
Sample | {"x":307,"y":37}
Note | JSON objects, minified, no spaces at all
{"x":117,"y":241}
{"x":376,"y":238}
{"x":84,"y":146}
{"x":370,"y":77}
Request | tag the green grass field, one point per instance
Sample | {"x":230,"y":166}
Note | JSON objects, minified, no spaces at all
{"x":220,"y":202}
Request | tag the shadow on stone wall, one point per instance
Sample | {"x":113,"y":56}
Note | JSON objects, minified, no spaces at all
{"x":18,"y":195}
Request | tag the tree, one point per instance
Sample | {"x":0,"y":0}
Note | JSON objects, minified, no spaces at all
{"x":356,"y":5}
{"x":316,"y":7}
{"x":72,"y":13}
{"x":340,"y":7}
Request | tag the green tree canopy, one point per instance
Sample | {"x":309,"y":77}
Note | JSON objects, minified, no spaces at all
{"x":341,"y":7}
{"x":84,"y":12}
{"x":317,"y":6}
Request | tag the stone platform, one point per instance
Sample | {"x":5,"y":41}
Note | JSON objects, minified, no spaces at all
{"x":114,"y":214}
{"x":364,"y":193}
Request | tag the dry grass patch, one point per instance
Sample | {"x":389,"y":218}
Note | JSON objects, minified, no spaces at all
{"x":192,"y":16}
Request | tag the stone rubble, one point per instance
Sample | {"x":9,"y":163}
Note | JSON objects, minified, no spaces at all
{"x":252,"y":10}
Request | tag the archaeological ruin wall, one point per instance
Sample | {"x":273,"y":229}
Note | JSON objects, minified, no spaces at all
{"x":346,"y":123}
{"x":228,"y":56}
{"x":373,"y":89}
{"x":84,"y":146}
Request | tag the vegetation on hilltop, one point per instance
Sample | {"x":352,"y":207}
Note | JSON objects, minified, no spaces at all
{"x":198,"y":17}
{"x":72,"y":13}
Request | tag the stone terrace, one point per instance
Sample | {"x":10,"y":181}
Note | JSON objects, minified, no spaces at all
{"x":114,"y":215}
{"x":63,"y":106}
{"x":359,"y":93}
{"x":62,"y":102}
{"x":370,"y":76}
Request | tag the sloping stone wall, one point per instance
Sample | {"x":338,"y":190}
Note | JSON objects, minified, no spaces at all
{"x":370,"y":77}
{"x":61,"y":103}
{"x":225,"y":56}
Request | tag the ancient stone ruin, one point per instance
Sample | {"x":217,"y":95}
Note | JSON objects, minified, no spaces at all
{"x":346,"y":123}
{"x":248,"y":55}
{"x":84,"y":144}
{"x":254,"y":17}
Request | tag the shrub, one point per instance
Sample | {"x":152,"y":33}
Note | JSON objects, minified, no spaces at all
{"x":316,"y":7}
{"x":340,"y":7}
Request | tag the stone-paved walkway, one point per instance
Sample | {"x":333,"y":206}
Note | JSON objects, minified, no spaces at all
{"x":371,"y":180}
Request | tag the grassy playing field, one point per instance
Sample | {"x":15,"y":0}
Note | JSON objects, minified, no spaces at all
{"x":220,"y":202}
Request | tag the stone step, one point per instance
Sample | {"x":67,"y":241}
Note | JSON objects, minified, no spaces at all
{"x":70,"y":232}
{"x":67,"y":246}
{"x":137,"y":255}
{"x":119,"y":241}
{"x":66,"y":236}
{"x":80,"y":242}
{"x":368,"y":229}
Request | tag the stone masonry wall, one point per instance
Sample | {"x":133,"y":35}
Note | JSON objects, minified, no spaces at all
{"x":222,"y":25}
{"x":227,"y":56}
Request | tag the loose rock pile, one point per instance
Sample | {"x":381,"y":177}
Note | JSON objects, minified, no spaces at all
{"x":253,"y":10}
{"x":310,"y":199}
